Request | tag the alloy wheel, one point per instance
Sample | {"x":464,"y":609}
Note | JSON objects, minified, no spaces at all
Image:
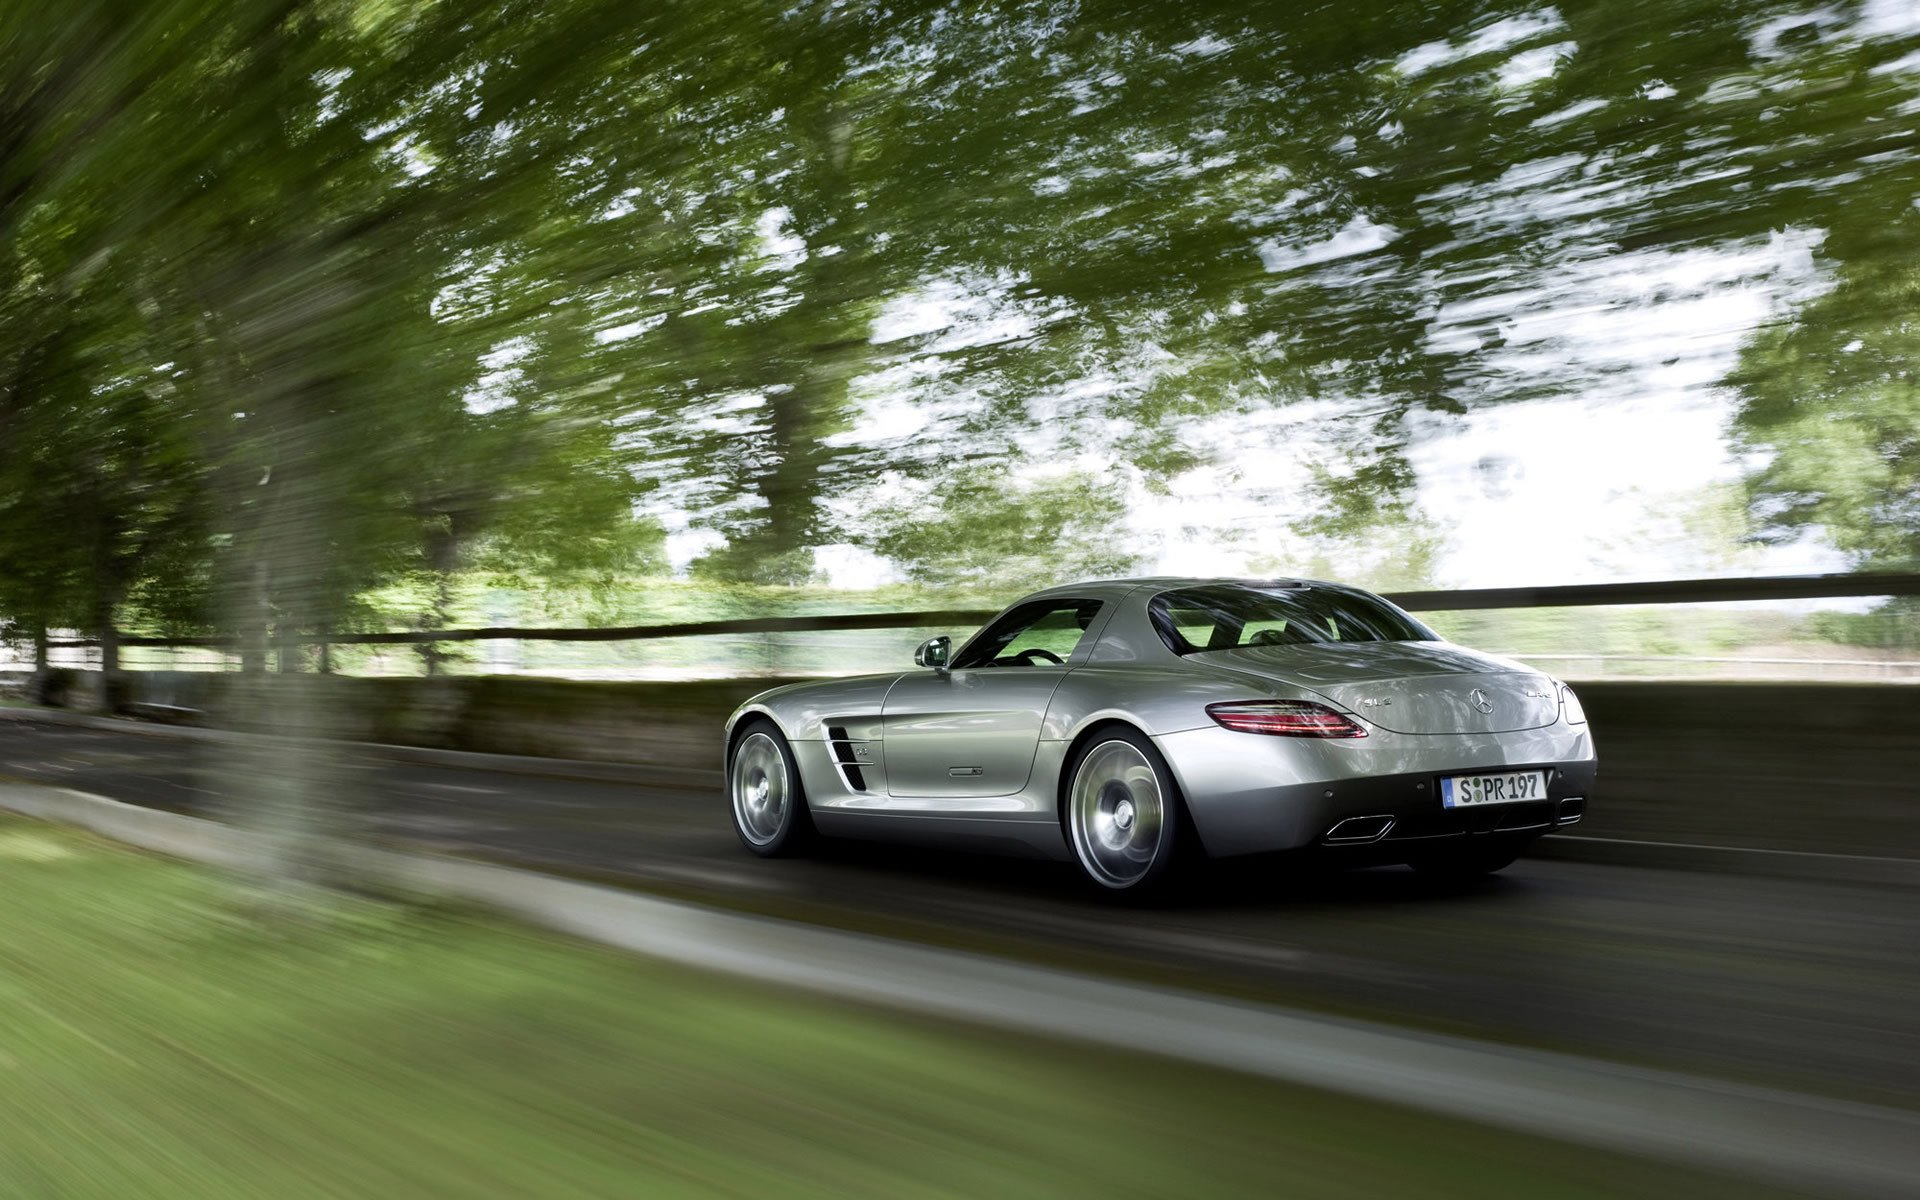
{"x":1117,"y":814}
{"x":761,"y":789}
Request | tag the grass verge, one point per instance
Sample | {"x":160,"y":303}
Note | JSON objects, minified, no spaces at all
{"x":158,"y":1041}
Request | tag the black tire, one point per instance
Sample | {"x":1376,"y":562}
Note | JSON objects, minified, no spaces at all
{"x":1125,"y":821}
{"x":768,"y":803}
{"x":1463,"y":864}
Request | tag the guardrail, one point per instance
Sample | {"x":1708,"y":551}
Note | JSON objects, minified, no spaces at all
{"x":610,"y":633}
{"x":1667,"y":591}
{"x":1580,"y":595}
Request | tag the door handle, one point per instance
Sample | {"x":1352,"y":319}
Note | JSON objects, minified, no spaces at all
{"x":965,"y":772}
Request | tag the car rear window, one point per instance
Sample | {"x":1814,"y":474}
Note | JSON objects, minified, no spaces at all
{"x":1223,"y":616}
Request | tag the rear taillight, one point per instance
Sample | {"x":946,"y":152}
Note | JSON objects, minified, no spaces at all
{"x":1570,"y":710}
{"x":1285,"y":718}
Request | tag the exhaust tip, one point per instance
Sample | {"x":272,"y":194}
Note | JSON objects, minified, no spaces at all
{"x":1571,"y":810}
{"x":1356,"y":831}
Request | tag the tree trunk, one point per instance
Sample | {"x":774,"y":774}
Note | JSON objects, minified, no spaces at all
{"x":290,"y":783}
{"x":113,"y":682}
{"x":40,"y":683}
{"x":287,"y":649}
{"x":253,"y":623}
{"x":431,"y":652}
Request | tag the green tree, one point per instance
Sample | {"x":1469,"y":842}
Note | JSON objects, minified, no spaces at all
{"x":309,"y":298}
{"x":983,"y":531}
{"x":1831,"y":407}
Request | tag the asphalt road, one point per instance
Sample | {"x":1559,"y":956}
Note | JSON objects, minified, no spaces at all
{"x":1805,"y":985}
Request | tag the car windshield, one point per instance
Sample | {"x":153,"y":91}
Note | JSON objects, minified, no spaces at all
{"x":1223,"y":616}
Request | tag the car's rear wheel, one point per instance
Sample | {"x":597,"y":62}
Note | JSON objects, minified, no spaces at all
{"x":1122,"y":811}
{"x":769,"y":806}
{"x":1459,"y":864}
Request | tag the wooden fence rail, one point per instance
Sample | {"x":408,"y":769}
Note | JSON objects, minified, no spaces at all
{"x":1667,"y":591}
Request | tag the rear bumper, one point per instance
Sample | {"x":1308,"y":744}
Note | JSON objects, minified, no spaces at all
{"x":1250,"y":794}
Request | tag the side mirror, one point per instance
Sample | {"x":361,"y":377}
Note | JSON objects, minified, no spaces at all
{"x":933,"y":653}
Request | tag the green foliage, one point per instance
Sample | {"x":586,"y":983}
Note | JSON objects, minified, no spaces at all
{"x":1607,"y":641}
{"x":982,"y":529}
{"x":250,"y":386}
{"x":1893,"y":625}
{"x":301,"y":299}
{"x":1833,"y":409}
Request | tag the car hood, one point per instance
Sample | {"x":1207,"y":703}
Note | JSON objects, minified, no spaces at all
{"x":1408,"y":687}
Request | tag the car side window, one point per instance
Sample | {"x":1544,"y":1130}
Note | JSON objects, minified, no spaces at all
{"x":1044,"y":633}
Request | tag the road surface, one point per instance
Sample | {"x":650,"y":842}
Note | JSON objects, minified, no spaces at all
{"x":1798,"y":984}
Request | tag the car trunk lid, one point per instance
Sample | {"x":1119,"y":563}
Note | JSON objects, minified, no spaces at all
{"x":1409,"y":687}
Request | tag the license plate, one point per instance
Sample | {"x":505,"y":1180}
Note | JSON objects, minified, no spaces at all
{"x":1494,"y":787}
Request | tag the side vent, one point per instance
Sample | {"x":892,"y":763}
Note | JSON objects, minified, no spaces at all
{"x":842,"y":748}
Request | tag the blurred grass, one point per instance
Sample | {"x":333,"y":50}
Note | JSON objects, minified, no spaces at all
{"x":159,"y":1041}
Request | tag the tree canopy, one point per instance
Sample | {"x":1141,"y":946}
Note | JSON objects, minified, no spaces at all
{"x":299,"y":298}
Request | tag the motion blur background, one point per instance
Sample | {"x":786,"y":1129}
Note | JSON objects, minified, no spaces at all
{"x":322,"y":319}
{"x":360,"y":316}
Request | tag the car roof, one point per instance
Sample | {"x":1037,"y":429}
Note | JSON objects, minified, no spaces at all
{"x":1172,"y":582}
{"x":1116,"y":590}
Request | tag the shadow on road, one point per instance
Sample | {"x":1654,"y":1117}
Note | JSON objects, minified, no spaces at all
{"x":1274,"y":883}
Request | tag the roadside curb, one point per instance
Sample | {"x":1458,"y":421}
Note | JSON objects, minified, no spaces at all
{"x":1801,"y":865}
{"x":652,"y":775}
{"x":193,"y":838}
{"x":1761,"y":1133}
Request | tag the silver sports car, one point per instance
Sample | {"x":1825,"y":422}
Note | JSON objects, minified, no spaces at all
{"x":1121,"y":724}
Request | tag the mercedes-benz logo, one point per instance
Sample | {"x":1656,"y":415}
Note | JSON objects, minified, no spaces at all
{"x":1480,"y":700}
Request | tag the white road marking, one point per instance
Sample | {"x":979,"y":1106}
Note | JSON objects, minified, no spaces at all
{"x":462,"y":789}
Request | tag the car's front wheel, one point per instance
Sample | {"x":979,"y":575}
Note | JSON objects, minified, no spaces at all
{"x":1122,"y":811}
{"x":769,"y":806}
